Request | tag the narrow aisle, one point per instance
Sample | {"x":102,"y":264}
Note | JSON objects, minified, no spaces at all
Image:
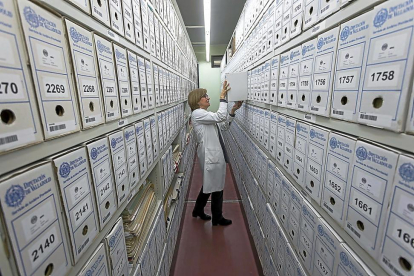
{"x":219,"y":251}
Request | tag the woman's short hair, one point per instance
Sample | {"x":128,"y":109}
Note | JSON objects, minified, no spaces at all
{"x":194,"y":97}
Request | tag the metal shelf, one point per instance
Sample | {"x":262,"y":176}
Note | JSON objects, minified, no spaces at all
{"x":74,"y":14}
{"x":25,"y":156}
{"x":395,"y":140}
{"x":352,"y":10}
{"x":76,"y":269}
{"x":368,"y":260}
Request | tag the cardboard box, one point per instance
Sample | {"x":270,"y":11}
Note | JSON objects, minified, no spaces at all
{"x":148,"y":71}
{"x":32,"y":216}
{"x":311,"y":13}
{"x":327,"y":245}
{"x":134,"y":77}
{"x":339,"y":159}
{"x":323,"y":72}
{"x":136,"y":7}
{"x":122,"y":71}
{"x":132,"y":159}
{"x":117,"y":23}
{"x":273,"y":134}
{"x":53,"y":82}
{"x":119,"y":164}
{"x":350,"y":67}
{"x":100,"y":11}
{"x":306,"y":74}
{"x":277,"y":36}
{"x":286,"y":22}
{"x":283,"y":79}
{"x":143,"y":83}
{"x":17,"y":130}
{"x":151,"y":31}
{"x":142,"y":150}
{"x":410,"y":116}
{"x":148,"y":141}
{"x":350,"y":264}
{"x":154,"y":135}
{"x":86,"y":75}
{"x":97,"y":263}
{"x":238,"y":85}
{"x":315,"y":163}
{"x":116,"y":249}
{"x":289,"y":145}
{"x":396,"y":252}
{"x":82,"y":5}
{"x":293,"y":71}
{"x":296,"y":201}
{"x":145,"y":27}
{"x":328,"y":8}
{"x":157,"y":38}
{"x":76,"y":194}
{"x":274,"y":80}
{"x":372,"y":175}
{"x":101,"y":168}
{"x":108,"y":79}
{"x":388,"y":73}
{"x":297,"y":18}
{"x":308,"y":229}
{"x":300,"y":152}
{"x":156,"y":86}
{"x":280,"y":148}
{"x":129,"y":24}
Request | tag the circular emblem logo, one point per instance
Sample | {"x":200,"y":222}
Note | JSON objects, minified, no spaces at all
{"x":304,"y":49}
{"x":127,"y":135}
{"x":74,"y":34}
{"x":14,"y":196}
{"x":113,"y":143}
{"x":361,"y":153}
{"x":345,"y":33}
{"x":320,"y":43}
{"x":33,"y":220}
{"x":407,"y":172}
{"x":298,"y":128}
{"x":112,"y":241}
{"x":380,"y":18}
{"x":344,"y":258}
{"x":333,"y":143}
{"x":64,"y":170}
{"x":292,"y":55}
{"x":312,"y":133}
{"x":304,"y":210}
{"x":89,"y":273}
{"x":94,"y":153}
{"x":320,"y":230}
{"x":31,"y":17}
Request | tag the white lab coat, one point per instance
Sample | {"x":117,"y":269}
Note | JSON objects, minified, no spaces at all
{"x":209,"y":152}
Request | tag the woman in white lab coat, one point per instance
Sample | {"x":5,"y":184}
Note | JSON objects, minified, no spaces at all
{"x":211,"y":152}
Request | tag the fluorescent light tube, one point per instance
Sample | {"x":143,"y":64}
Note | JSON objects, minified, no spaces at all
{"x":207,"y":21}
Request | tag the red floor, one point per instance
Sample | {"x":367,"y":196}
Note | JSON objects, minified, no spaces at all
{"x":219,"y":251}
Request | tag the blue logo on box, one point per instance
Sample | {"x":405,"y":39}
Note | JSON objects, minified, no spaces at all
{"x":380,"y":18}
{"x":94,"y":153}
{"x":345,"y":33}
{"x":127,"y":135}
{"x":14,"y":195}
{"x":113,"y":143}
{"x":407,"y":172}
{"x":312,"y":133}
{"x":320,"y":43}
{"x":74,"y":34}
{"x":31,"y":17}
{"x":112,"y":241}
{"x":344,"y":258}
{"x":64,"y":170}
{"x":297,"y":128}
{"x":320,"y":230}
{"x":333,"y":143}
{"x":361,"y":153}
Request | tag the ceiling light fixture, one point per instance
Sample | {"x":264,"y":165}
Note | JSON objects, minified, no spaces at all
{"x":207,"y":21}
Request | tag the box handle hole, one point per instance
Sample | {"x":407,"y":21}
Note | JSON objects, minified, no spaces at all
{"x":85,"y":230}
{"x":344,"y":100}
{"x":7,"y":116}
{"x":49,"y":270}
{"x":91,"y":106}
{"x":332,"y":200}
{"x":59,"y":110}
{"x":406,"y":265}
{"x":377,"y":102}
{"x":360,"y":225}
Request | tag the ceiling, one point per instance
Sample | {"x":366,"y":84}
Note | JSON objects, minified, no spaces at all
{"x":224,"y":17}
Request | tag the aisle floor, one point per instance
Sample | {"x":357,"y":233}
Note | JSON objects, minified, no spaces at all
{"x":205,"y":250}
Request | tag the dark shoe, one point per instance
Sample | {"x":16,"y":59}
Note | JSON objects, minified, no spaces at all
{"x":203,"y":216}
{"x":223,"y":221}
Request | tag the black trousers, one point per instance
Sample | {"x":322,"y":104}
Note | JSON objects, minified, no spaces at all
{"x":216,"y":203}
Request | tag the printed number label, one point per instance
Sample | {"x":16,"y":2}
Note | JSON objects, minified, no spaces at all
{"x":88,"y":88}
{"x":43,"y":247}
{"x":335,"y":186}
{"x":403,"y":235}
{"x":365,"y":206}
{"x":320,"y":83}
{"x":55,"y":87}
{"x":322,"y":268}
{"x":11,"y":87}
{"x":346,"y":79}
{"x":109,"y":88}
{"x":82,"y":211}
{"x":383,"y":76}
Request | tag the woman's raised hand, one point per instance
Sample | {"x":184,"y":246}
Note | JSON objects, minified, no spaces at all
{"x":226,"y":88}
